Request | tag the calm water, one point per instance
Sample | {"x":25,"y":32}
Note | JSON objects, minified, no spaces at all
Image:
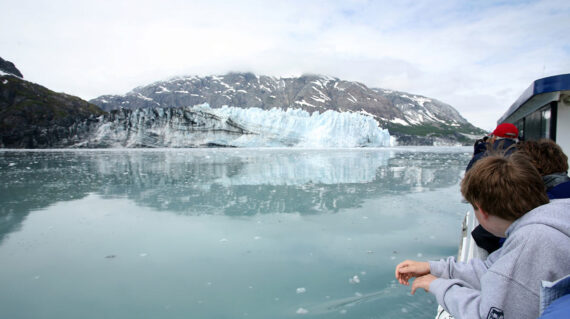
{"x":223,"y":233}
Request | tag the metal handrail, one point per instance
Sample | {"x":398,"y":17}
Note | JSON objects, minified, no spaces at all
{"x":468,"y":250}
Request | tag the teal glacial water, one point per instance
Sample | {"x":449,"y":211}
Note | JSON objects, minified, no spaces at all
{"x":223,"y":233}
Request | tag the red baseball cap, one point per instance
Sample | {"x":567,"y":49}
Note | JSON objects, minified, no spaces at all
{"x":506,"y":130}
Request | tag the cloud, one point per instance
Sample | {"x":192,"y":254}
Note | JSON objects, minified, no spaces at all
{"x":476,"y":56}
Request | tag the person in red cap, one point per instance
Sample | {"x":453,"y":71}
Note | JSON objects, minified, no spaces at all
{"x":503,"y":140}
{"x":506,"y":130}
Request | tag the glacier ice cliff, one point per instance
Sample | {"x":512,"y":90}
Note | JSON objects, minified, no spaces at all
{"x":200,"y":126}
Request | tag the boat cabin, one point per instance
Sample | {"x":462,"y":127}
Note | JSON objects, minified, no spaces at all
{"x":543,"y":111}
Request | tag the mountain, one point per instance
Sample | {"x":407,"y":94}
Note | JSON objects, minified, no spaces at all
{"x":32,"y":116}
{"x":233,"y":110}
{"x":412,"y":119}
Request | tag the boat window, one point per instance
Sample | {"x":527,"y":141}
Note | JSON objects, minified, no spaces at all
{"x":520,"y":125}
{"x":537,"y":124}
{"x":545,"y":125}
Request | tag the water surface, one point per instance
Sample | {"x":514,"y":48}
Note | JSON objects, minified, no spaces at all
{"x":223,"y":233}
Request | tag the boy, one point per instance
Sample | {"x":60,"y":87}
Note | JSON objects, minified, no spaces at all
{"x":552,"y":165}
{"x":509,"y":200}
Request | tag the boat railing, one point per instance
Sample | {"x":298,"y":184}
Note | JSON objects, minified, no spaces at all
{"x":468,"y":250}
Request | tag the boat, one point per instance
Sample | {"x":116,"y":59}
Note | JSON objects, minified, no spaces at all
{"x":542,"y":111}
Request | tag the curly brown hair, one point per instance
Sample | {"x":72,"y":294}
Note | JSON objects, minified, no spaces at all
{"x":546,"y":156}
{"x":504,"y":186}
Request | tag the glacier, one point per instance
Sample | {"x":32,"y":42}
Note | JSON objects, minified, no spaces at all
{"x":296,"y":127}
{"x":200,"y":125}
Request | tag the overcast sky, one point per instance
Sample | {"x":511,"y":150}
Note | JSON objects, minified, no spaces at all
{"x":477,"y":56}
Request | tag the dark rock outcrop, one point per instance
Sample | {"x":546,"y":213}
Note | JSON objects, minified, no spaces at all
{"x":32,"y":116}
{"x":158,"y":127}
{"x":10,"y":68}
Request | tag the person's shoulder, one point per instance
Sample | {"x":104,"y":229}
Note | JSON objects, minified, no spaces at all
{"x":546,"y":225}
{"x":560,"y":191}
{"x":544,"y":241}
{"x":534,"y":252}
{"x":555,"y":204}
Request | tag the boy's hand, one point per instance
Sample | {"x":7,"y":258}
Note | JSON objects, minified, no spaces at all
{"x":409,"y":269}
{"x":423,"y":282}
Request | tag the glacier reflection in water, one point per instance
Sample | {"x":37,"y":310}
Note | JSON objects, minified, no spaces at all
{"x":223,"y":233}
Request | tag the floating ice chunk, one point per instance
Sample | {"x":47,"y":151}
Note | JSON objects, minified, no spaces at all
{"x":354,"y":280}
{"x":393,"y":257}
{"x":343,"y":311}
{"x":404,"y":310}
{"x":11,"y":164}
{"x":301,"y":290}
{"x":420,"y":254}
{"x":143,"y":254}
{"x":257,"y":238}
{"x":302,"y":311}
{"x":223,"y":240}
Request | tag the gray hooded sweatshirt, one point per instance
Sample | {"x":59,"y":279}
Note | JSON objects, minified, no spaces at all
{"x":507,"y":283}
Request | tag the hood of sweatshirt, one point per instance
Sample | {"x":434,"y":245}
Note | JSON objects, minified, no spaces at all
{"x":555,"y":214}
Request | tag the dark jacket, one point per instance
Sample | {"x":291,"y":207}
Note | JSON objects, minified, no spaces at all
{"x":483,"y":148}
{"x":559,"y":191}
{"x":557,"y":185}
